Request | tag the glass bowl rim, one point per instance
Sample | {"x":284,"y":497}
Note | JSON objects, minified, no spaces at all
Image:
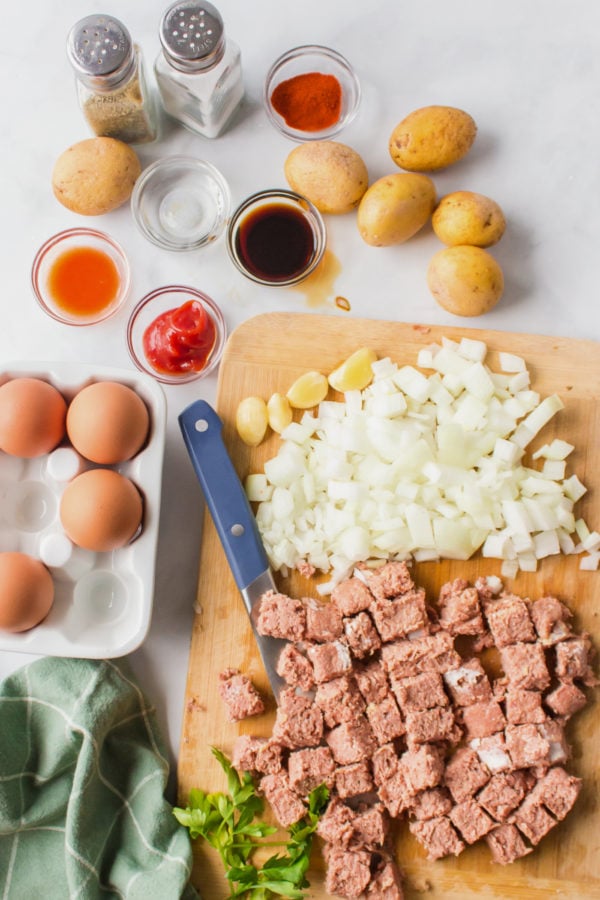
{"x":190,"y":163}
{"x":194,"y":294}
{"x":309,"y":209}
{"x":54,"y":241}
{"x":298,"y":52}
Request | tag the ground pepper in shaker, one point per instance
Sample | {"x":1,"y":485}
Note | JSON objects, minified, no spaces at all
{"x":111,"y":85}
{"x":198,"y":71}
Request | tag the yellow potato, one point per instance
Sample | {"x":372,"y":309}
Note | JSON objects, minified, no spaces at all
{"x":465,"y":217}
{"x":95,"y":176}
{"x":466,"y":281}
{"x":331,"y":175}
{"x":431,"y":138}
{"x":394,"y":208}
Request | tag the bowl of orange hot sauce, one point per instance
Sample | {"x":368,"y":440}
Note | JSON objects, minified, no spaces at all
{"x":311,"y":93}
{"x":80,"y":276}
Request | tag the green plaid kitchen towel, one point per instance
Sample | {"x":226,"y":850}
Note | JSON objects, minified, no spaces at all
{"x":82,"y":779}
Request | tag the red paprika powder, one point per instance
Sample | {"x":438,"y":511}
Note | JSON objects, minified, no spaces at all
{"x":309,"y":102}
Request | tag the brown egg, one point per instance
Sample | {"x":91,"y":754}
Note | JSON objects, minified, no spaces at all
{"x":32,"y":417}
{"x":107,"y":422}
{"x":101,"y":510}
{"x":26,"y":591}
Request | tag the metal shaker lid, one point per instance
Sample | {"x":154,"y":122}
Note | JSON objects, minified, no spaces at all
{"x":100,"y":50}
{"x":192,"y":35}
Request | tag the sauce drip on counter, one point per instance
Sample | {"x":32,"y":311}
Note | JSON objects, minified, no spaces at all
{"x":180,"y":340}
{"x":83,"y":281}
{"x":275,"y":242}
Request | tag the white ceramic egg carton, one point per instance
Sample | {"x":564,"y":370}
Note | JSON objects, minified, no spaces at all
{"x":103,"y":601}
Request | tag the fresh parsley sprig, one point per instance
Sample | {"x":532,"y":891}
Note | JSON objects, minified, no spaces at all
{"x":228,"y":823}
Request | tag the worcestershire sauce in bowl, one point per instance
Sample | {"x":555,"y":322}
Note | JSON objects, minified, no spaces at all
{"x":276,"y":237}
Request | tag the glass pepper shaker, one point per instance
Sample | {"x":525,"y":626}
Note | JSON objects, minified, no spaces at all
{"x":198,"y":71}
{"x":111,"y":85}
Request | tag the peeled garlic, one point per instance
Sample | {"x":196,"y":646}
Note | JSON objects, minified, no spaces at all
{"x":251,"y":420}
{"x":308,"y":390}
{"x":355,"y":373}
{"x":279,"y":412}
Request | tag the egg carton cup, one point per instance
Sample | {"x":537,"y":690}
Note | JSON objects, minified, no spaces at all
{"x":103,"y":601}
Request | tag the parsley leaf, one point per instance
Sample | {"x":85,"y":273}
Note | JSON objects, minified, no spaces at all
{"x":229,"y":823}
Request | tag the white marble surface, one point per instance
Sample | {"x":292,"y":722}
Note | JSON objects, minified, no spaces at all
{"x":528,"y":72}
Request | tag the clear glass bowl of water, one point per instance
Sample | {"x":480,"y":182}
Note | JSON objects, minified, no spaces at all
{"x":181,"y":203}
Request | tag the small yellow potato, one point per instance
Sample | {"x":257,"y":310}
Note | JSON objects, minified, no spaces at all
{"x":95,"y":176}
{"x":431,"y":138}
{"x":331,"y":175}
{"x":251,"y":420}
{"x":394,"y":208}
{"x":279,"y":412}
{"x":355,"y":373}
{"x":465,"y":217}
{"x":466,"y":281}
{"x":308,"y":390}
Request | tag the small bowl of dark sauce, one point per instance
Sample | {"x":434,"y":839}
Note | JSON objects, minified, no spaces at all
{"x":276,"y":237}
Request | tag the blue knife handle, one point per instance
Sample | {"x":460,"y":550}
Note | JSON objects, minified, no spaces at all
{"x":225,"y":497}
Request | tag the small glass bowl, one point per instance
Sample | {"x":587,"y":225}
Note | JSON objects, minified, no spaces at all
{"x":163,"y":300}
{"x":181,"y":203}
{"x":301,"y":61}
{"x":297,"y":205}
{"x":62,"y":243}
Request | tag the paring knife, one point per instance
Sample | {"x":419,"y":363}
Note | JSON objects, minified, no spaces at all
{"x":234,"y":520}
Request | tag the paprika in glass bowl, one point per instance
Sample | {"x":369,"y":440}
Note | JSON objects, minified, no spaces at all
{"x":311,"y":93}
{"x":176,"y":334}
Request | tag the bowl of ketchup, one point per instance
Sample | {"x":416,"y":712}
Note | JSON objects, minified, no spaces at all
{"x":80,"y":276}
{"x":176,"y":334}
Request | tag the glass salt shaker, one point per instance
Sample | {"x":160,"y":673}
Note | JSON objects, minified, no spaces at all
{"x":198,"y":71}
{"x":111,"y":85}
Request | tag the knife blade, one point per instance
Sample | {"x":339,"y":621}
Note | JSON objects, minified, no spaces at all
{"x":202,"y":431}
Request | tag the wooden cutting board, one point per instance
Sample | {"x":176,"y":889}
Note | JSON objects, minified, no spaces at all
{"x":265,"y":355}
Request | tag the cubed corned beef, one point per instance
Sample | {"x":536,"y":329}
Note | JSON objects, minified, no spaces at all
{"x":352,"y":741}
{"x":503,"y":793}
{"x":370,"y":828}
{"x":573,"y":660}
{"x":353,"y":780}
{"x":372,"y":680}
{"x":298,"y":722}
{"x":397,"y":618}
{"x":336,"y":824}
{"x":361,"y":635}
{"x":526,"y":746}
{"x":509,"y":621}
{"x":460,"y":610}
{"x":390,"y":580}
{"x":438,"y":836}
{"x":465,"y":774}
{"x":420,"y":691}
{"x":425,"y":726}
{"x":431,"y":653}
{"x":329,"y":660}
{"x":323,"y":621}
{"x":493,"y":752}
{"x":295,"y":668}
{"x":468,"y":683}
{"x":471,"y":820}
{"x":348,"y":872}
{"x":239,"y":695}
{"x":351,"y":596}
{"x":506,"y":844}
{"x":386,"y":882}
{"x":397,"y":792}
{"x":565,"y":700}
{"x":525,"y":666}
{"x":551,"y":620}
{"x":284,"y":802}
{"x":385,"y":762}
{"x":424,"y":766}
{"x":339,"y":700}
{"x":385,"y":720}
{"x":431,"y":803}
{"x":524,"y":707}
{"x":280,"y":616}
{"x":310,"y":767}
{"x":532,"y":819}
{"x":482,"y":719}
{"x":558,"y":791}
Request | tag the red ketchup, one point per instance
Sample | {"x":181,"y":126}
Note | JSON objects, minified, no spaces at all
{"x":180,"y":340}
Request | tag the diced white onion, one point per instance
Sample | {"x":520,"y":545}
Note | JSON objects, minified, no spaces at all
{"x":424,"y":467}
